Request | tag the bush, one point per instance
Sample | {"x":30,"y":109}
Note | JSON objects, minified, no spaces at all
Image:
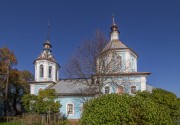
{"x":114,"y":109}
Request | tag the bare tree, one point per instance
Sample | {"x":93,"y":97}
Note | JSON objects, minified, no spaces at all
{"x":110,"y":68}
{"x":82,"y":63}
{"x":96,"y":59}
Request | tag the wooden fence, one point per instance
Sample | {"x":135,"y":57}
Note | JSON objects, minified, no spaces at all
{"x":36,"y":119}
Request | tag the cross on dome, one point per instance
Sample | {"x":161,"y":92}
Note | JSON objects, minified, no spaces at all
{"x":114,"y":34}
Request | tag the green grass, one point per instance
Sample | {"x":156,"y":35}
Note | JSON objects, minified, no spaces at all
{"x":12,"y":123}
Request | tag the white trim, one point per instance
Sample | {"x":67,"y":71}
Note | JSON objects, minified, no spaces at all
{"x":67,"y":108}
{"x":32,"y":88}
{"x":81,"y":108}
{"x":143,"y":83}
{"x":39,"y":89}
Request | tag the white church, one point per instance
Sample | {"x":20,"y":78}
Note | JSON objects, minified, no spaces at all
{"x":116,"y":72}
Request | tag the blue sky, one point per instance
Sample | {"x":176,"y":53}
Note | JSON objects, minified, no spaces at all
{"x":151,"y":28}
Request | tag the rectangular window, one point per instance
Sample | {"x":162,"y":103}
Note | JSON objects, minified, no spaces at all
{"x":133,"y":89}
{"x":70,"y":109}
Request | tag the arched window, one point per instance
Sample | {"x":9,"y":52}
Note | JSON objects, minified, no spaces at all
{"x":107,"y":90}
{"x":50,"y":71}
{"x":132,"y":65}
{"x":133,"y":89}
{"x":41,"y":71}
{"x":56,"y":75}
{"x":120,"y":90}
{"x":70,"y":109}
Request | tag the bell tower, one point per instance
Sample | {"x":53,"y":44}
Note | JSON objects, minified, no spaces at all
{"x":46,"y":67}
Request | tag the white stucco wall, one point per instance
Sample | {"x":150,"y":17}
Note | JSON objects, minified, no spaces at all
{"x":143,"y":83}
{"x":46,"y":65}
{"x":125,"y":81}
{"x":34,"y":88}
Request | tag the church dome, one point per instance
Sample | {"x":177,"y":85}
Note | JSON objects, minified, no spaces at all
{"x":114,"y":44}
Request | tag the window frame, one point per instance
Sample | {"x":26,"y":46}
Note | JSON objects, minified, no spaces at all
{"x":50,"y":72}
{"x":67,"y":108}
{"x":106,"y":90}
{"x":41,"y":67}
{"x":133,"y":89}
